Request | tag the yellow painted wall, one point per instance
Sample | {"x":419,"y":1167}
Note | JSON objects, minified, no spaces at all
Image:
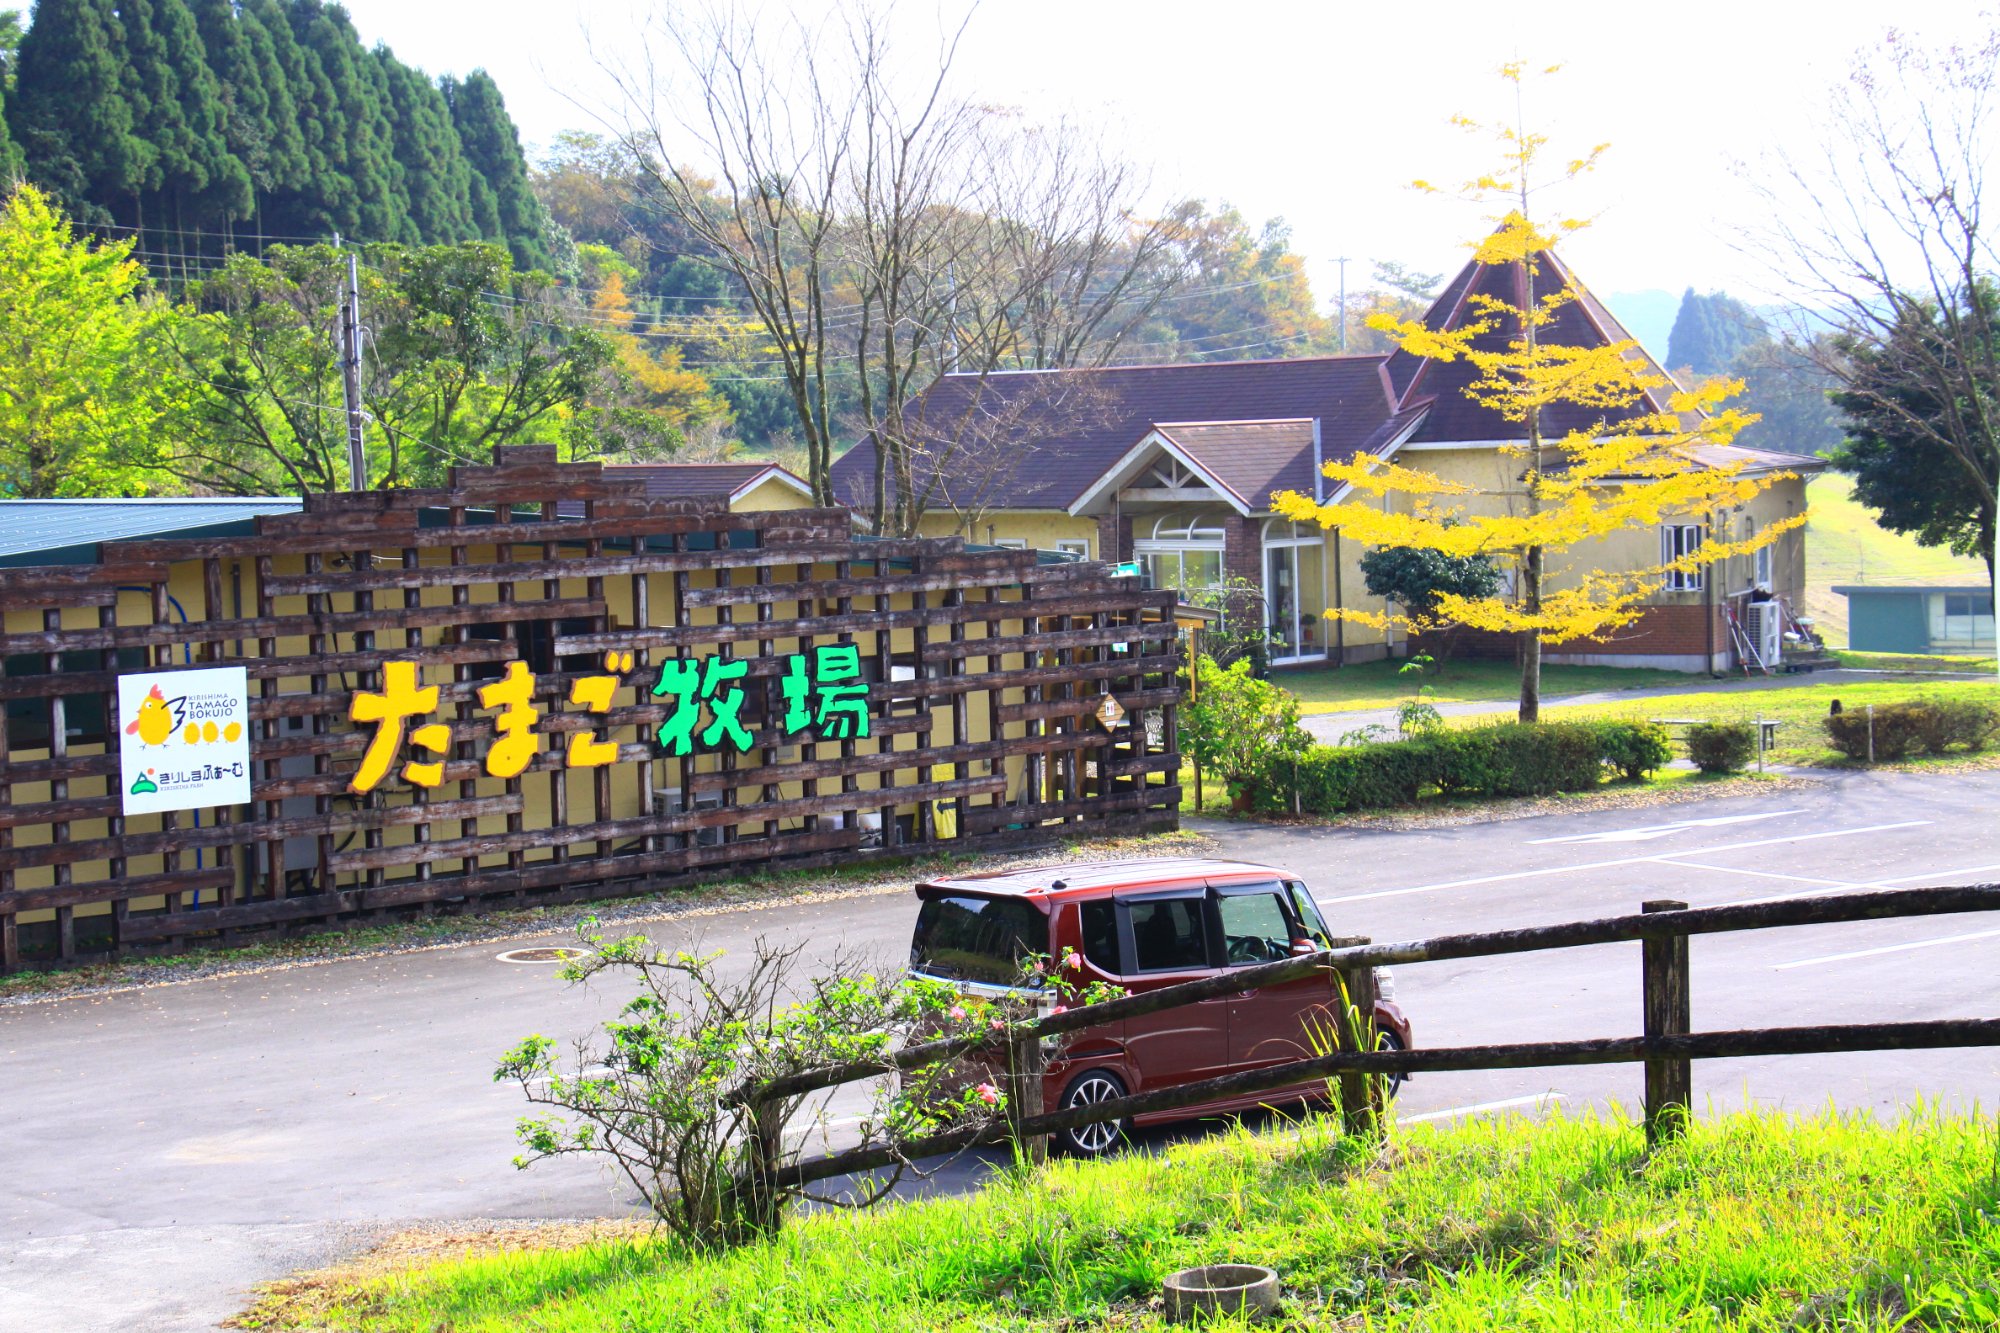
{"x":771,"y":493}
{"x":1040,"y":529}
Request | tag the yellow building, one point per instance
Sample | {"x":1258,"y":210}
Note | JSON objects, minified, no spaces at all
{"x":1173,"y":467}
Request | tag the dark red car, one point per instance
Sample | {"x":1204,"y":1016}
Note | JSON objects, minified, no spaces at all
{"x":1144,"y":925}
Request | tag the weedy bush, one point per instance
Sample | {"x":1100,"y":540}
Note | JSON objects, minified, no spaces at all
{"x":655,"y":1090}
{"x":1889,"y":731}
{"x":1943,"y":723}
{"x":1635,"y":749}
{"x":1241,"y":728}
{"x":1722,"y":747}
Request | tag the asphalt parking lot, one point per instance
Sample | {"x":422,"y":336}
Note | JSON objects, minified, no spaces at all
{"x":167,"y":1147}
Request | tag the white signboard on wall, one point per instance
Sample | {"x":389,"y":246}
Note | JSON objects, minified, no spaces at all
{"x":184,"y":739}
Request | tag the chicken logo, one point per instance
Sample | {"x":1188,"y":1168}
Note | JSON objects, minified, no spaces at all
{"x":157,"y":718}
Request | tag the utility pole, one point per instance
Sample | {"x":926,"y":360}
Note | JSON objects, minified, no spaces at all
{"x":350,"y":371}
{"x":1342,"y":261}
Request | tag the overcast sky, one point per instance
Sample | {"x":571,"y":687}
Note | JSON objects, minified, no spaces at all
{"x":1322,"y":113}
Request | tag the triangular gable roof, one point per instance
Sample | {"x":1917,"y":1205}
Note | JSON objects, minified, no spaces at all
{"x":1245,"y":462}
{"x":668,"y":481}
{"x":1583,"y":322}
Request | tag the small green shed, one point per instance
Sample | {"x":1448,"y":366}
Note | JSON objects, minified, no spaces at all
{"x":1918,"y":618}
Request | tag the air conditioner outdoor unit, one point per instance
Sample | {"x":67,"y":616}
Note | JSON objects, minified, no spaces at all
{"x":1764,"y":622}
{"x":667,"y":801}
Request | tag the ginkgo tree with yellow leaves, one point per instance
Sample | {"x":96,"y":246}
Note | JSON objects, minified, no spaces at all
{"x":1606,"y":442}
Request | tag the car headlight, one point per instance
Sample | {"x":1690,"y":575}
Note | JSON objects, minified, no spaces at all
{"x":1385,"y":984}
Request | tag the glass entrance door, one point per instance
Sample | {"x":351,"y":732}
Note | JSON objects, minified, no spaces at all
{"x":1294,"y":597}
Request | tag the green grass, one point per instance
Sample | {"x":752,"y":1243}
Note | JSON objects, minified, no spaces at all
{"x":1375,"y":685}
{"x":1844,"y":544}
{"x":1754,"y":1222}
{"x":1801,"y":738}
{"x":1921,"y":663}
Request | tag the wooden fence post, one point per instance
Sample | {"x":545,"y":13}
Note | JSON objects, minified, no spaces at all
{"x":1360,"y":1094}
{"x":1664,"y":979}
{"x":1024,"y":1094}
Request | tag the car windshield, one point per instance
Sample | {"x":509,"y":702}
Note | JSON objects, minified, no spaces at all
{"x":969,"y":938}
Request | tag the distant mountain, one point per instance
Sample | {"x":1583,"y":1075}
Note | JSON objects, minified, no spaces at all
{"x":1647,"y":316}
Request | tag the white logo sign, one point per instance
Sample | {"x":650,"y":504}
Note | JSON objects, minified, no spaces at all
{"x":184,"y":739}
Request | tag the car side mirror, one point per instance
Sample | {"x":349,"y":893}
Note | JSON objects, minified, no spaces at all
{"x":1300,"y":948}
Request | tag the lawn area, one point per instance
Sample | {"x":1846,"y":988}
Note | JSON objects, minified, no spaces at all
{"x":1375,"y":685}
{"x":1801,"y":738}
{"x":1926,"y":663}
{"x":1755,"y":1222}
{"x":1844,"y":544}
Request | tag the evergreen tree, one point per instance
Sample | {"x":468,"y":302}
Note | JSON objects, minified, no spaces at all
{"x":11,"y":164}
{"x":260,"y":122}
{"x":199,"y":185}
{"x":380,"y":204}
{"x":434,"y":164}
{"x":494,"y":150}
{"x":1710,"y":332}
{"x":317,"y":198}
{"x":69,"y":112}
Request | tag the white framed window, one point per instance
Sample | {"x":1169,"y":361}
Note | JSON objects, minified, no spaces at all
{"x":1182,"y":552}
{"x":1677,"y":542}
{"x":1761,"y":570}
{"x":1076,"y":546}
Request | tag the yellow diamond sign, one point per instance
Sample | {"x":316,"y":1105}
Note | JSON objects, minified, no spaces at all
{"x":1110,"y":714}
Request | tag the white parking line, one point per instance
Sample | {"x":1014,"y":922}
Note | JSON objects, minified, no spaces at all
{"x":1651,"y":831}
{"x":1759,"y":874}
{"x":1544,"y":871}
{"x":1870,"y":884}
{"x":1887,"y":948}
{"x":1539,"y":1099}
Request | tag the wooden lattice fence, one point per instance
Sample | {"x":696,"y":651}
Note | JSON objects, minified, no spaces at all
{"x":977,"y":676}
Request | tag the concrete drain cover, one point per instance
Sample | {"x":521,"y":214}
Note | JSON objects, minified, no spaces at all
{"x":540,"y":955}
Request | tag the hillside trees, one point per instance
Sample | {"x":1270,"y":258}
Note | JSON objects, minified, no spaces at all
{"x":450,"y":372}
{"x":884,"y":231}
{"x":204,"y":125}
{"x":1631,"y":466}
{"x":1710,"y":332}
{"x":85,"y":394}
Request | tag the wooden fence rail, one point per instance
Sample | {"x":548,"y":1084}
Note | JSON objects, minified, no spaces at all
{"x":1666,"y":1047}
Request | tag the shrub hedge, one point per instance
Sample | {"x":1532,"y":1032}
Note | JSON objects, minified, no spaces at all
{"x":1507,"y":759}
{"x":1932,"y":725}
{"x":1722,"y":747}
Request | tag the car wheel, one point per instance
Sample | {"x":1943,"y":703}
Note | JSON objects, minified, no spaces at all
{"x":1387,"y":1040}
{"x":1087,"y":1089}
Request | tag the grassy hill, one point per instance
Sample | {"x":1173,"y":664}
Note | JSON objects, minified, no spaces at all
{"x":1844,"y":544}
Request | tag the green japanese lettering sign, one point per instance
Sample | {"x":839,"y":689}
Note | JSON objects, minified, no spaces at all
{"x":823,"y":691}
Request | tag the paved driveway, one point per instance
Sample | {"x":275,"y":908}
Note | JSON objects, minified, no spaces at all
{"x":165,"y":1148}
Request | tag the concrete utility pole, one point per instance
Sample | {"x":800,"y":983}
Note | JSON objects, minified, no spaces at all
{"x":350,"y":372}
{"x":1342,"y":261}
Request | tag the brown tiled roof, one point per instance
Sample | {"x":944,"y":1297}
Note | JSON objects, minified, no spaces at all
{"x":1253,"y":459}
{"x":670,"y":481}
{"x":1346,"y":393}
{"x":1584,"y":322}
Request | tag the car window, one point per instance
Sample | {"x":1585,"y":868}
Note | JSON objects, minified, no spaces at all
{"x":1100,"y":935}
{"x":1168,"y":934}
{"x":977,"y":939}
{"x":1255,"y":928}
{"x":1308,"y":912}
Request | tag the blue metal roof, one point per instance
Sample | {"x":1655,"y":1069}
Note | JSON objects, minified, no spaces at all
{"x":66,"y":532}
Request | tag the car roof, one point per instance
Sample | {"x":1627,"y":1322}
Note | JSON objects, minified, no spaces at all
{"x":1080,"y":878}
